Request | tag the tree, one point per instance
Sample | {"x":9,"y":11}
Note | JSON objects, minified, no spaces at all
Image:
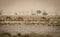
{"x":46,"y":19}
{"x":1,"y":12}
{"x":45,"y":13}
{"x":38,"y":11}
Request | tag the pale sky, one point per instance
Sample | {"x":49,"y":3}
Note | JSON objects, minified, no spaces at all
{"x":27,"y":5}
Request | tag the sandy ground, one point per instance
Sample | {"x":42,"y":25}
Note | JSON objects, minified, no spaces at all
{"x":14,"y":29}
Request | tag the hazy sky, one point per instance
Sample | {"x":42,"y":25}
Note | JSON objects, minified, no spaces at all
{"x":28,"y":5}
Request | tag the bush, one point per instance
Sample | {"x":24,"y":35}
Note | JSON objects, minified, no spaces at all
{"x":5,"y":34}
